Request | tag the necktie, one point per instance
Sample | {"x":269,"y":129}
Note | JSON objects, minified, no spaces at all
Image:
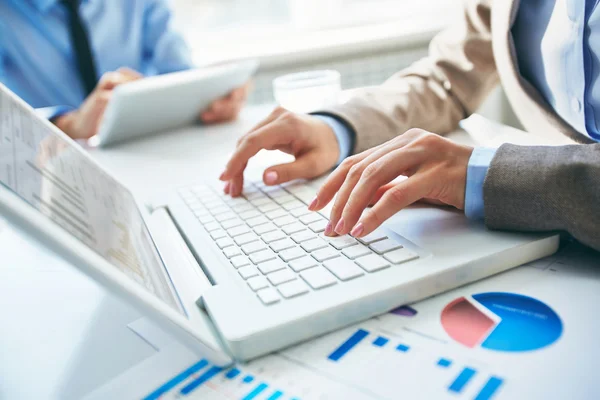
{"x":81,"y":44}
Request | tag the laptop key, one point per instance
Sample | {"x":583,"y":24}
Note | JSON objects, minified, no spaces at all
{"x":310,"y":218}
{"x":238,"y":230}
{"x":225,"y":216}
{"x":285,"y":220}
{"x":257,"y":283}
{"x":303,"y":236}
{"x":293,"y":228}
{"x":252,"y":222}
{"x":253,"y":247}
{"x":303,"y":263}
{"x":291,"y":254}
{"x":262,"y":256}
{"x":249,"y":214}
{"x":200,"y":212}
{"x":211,"y":226}
{"x":399,"y":256}
{"x":341,"y":242}
{"x":218,"y":234}
{"x":259,"y":201}
{"x":218,"y":210}
{"x":232,"y":251}
{"x":290,"y":205}
{"x":343,"y":268}
{"x":224,"y":242}
{"x":282,"y":244}
{"x":230,"y":223}
{"x":240,"y":208}
{"x":239,"y":261}
{"x":253,"y":194}
{"x":372,"y":263}
{"x":236,"y":201}
{"x":284,"y":198}
{"x":245,"y":238}
{"x":268,"y":207}
{"x":278,"y":212}
{"x":373,"y":237}
{"x":325,"y":254}
{"x":248,"y":271}
{"x":300,"y":211}
{"x":385,"y":245}
{"x":271,"y":266}
{"x":275,"y":192}
{"x":356,"y":251}
{"x":268,"y":296}
{"x":318,"y":277}
{"x":318,"y":226}
{"x":273,"y":236}
{"x":206,"y":219}
{"x":293,"y":288}
{"x":264,"y":228}
{"x":314,"y":244}
{"x":282,"y":276}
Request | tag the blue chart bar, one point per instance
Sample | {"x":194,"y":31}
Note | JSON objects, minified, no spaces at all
{"x":462,"y":379}
{"x":380,"y":341}
{"x":490,"y":388}
{"x":348,"y":345}
{"x":248,"y":379}
{"x":402,"y":347}
{"x":276,"y":394}
{"x":176,"y":380}
{"x":212,"y":371}
{"x":257,"y":390}
{"x":444,"y":362}
{"x":232,"y":373}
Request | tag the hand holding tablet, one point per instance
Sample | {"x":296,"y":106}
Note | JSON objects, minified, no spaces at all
{"x":125,"y":106}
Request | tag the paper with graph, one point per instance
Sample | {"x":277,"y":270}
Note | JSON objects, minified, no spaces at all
{"x":513,"y":336}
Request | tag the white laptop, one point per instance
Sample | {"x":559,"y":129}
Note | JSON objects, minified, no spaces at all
{"x":235,"y":278}
{"x":164,"y":102}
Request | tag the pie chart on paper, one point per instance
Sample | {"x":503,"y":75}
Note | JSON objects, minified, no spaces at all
{"x":502,"y":322}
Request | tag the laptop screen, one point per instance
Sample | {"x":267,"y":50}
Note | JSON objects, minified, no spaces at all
{"x":52,"y":174}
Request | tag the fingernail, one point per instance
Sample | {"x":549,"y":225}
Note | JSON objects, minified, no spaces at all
{"x":328,"y":229}
{"x":339,"y":226}
{"x":226,"y":188}
{"x":358,"y":230}
{"x":314,"y":204}
{"x":271,"y":178}
{"x":222,"y":176}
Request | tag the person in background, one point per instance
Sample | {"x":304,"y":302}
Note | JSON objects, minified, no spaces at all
{"x":544,"y":53}
{"x":64,"y":57}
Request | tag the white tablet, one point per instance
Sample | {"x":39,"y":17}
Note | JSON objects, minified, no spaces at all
{"x":164,"y":102}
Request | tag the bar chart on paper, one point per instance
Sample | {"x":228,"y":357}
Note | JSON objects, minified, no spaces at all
{"x":452,"y":376}
{"x":427,"y":366}
{"x":202,"y":379}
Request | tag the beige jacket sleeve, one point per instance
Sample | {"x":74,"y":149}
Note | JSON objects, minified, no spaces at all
{"x":433,"y":94}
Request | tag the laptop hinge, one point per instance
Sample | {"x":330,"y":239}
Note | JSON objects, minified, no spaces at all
{"x":189,"y":280}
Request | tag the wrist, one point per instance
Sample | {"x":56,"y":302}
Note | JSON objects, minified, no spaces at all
{"x":65,"y":122}
{"x":331,"y":144}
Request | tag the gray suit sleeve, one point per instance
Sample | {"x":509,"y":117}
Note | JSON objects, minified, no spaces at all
{"x":545,"y":188}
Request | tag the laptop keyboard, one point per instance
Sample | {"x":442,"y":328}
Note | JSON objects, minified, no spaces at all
{"x":277,"y":246}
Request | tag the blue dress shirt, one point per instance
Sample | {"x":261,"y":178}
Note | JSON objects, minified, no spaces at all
{"x":557,"y":44}
{"x":37,"y":60}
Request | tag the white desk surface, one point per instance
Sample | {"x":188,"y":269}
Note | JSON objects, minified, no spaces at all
{"x":61,"y":333}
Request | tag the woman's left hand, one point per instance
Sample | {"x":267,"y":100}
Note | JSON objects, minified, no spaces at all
{"x":435,"y":166}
